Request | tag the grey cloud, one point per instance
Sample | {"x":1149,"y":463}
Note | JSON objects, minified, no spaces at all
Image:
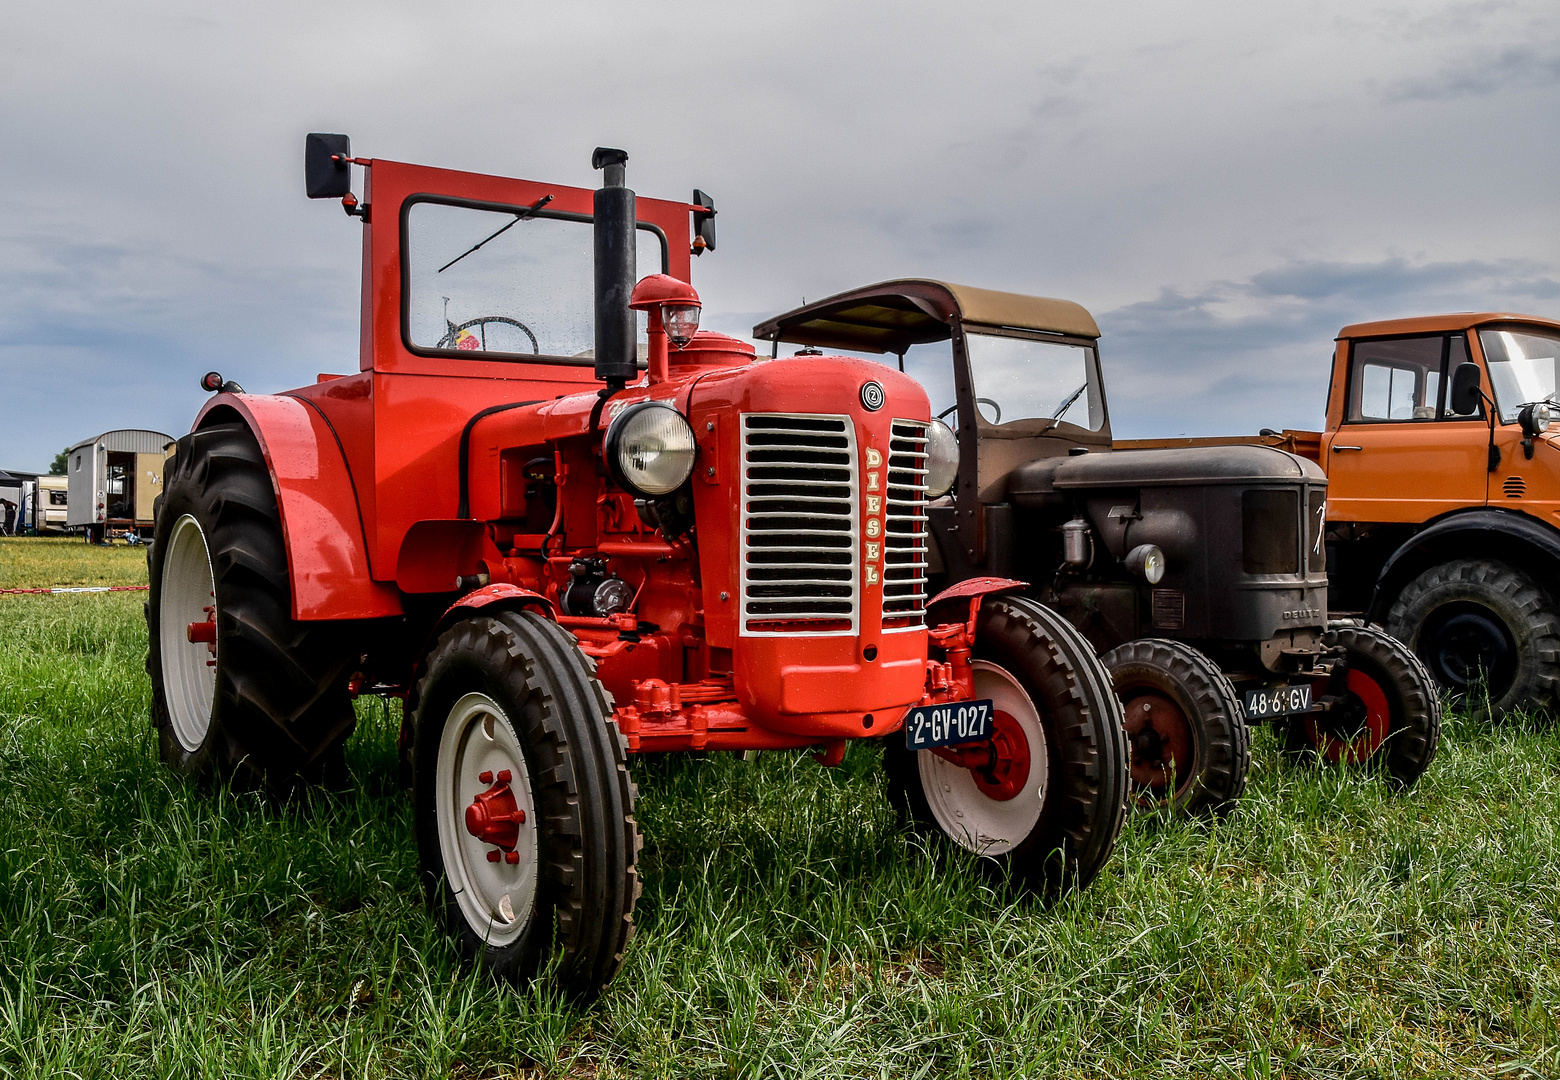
{"x":1517,"y":67}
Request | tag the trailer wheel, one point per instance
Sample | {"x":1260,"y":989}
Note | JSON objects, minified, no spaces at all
{"x":1186,"y":727}
{"x":524,"y":806}
{"x":1488,"y":632}
{"x":239,"y":690}
{"x":1390,"y":719}
{"x":1052,"y":804}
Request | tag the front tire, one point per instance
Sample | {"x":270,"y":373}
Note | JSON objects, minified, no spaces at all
{"x":239,"y":689}
{"x":1389,"y":718}
{"x":1186,"y":727}
{"x":1487,"y":631}
{"x":1057,"y":826}
{"x":511,"y":693}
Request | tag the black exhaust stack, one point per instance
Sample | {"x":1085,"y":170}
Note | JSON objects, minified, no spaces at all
{"x":616,"y":355}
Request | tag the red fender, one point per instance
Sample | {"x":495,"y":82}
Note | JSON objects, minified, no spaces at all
{"x":501,"y":596}
{"x":322,"y":526}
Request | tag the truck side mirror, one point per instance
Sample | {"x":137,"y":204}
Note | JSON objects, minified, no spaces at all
{"x":327,"y":172}
{"x":703,"y":223}
{"x":1464,"y":397}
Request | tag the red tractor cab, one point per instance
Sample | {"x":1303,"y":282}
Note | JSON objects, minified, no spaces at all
{"x":566,"y":526}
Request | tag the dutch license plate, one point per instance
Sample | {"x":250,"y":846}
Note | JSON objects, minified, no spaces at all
{"x":1277,"y":701}
{"x":957,"y":722}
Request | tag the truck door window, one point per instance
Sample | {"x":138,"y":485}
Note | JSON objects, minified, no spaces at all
{"x":1395,"y":379}
{"x":481,"y":280}
{"x":1031,"y":380}
{"x":1522,"y":368}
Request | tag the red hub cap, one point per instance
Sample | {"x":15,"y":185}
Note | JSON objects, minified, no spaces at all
{"x":1359,"y":732}
{"x":495,"y":818}
{"x":1008,"y":769}
{"x":1160,"y":739}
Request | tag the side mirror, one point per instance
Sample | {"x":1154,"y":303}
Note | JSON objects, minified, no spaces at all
{"x":327,"y":172}
{"x":703,"y":223}
{"x":1464,"y":397}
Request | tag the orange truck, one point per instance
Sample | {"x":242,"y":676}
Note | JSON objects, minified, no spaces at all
{"x":1443,"y":505}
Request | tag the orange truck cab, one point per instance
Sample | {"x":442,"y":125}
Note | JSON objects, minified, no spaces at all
{"x":1443,"y":505}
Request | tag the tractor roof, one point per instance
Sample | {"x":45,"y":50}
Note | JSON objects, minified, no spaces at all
{"x":1436,"y":324}
{"x":893,"y":315}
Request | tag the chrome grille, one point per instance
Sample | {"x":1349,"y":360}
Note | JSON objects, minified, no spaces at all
{"x":905,"y":529}
{"x":800,"y":529}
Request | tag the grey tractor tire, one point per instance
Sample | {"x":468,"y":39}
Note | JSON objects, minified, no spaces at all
{"x":1414,"y":706}
{"x":1085,"y":800}
{"x":280,"y":711}
{"x":1508,"y":600}
{"x":1212,"y":713}
{"x":587,"y":839}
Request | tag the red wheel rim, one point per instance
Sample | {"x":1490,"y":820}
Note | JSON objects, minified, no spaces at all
{"x":1009,"y":768}
{"x":1378,"y":722}
{"x":1159,"y":738}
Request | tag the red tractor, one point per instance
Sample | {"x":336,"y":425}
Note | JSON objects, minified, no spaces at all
{"x":565,"y":536}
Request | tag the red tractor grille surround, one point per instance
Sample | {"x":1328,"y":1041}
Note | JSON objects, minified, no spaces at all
{"x":904,"y":528}
{"x":800,"y":533}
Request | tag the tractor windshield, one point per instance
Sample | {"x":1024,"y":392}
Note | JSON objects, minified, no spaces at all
{"x":481,"y":281}
{"x":1522,"y":367}
{"x":1044,"y":383}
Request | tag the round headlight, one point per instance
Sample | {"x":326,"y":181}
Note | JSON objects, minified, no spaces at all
{"x":1543,"y":416}
{"x":650,"y":448}
{"x":1147,"y":562}
{"x":942,"y":459}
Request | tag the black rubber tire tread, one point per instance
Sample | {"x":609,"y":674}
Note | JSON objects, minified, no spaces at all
{"x":578,"y":759}
{"x":1414,"y":733}
{"x":1086,"y":797}
{"x":1527,"y":609}
{"x":281,"y":711}
{"x":1221,"y":741}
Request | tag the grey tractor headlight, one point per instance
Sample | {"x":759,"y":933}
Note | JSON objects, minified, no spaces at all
{"x":1147,"y":562}
{"x":942,"y":459}
{"x":650,"y":449}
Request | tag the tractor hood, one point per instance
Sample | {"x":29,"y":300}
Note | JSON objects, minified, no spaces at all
{"x":1201,"y":466}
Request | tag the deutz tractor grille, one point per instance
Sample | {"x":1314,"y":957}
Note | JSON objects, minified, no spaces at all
{"x":904,"y":527}
{"x":800,"y":533}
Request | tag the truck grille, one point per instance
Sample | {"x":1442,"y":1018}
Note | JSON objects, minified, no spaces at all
{"x":800,"y":561}
{"x":904,"y":528}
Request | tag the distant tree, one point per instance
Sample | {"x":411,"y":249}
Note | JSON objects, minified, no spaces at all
{"x":61,"y":462}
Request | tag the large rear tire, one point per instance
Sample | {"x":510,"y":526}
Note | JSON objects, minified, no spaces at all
{"x":1050,"y":816}
{"x":239,"y":689}
{"x":510,"y":693}
{"x":1186,"y":727}
{"x":1389,"y":721}
{"x":1488,"y":632}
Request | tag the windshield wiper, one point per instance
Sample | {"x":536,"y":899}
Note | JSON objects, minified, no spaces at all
{"x":1056,"y":417}
{"x":519,"y":217}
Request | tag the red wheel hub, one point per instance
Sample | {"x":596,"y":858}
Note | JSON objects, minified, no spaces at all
{"x":1159,"y":737}
{"x":1000,"y":766}
{"x":495,"y":818}
{"x":1355,"y":748}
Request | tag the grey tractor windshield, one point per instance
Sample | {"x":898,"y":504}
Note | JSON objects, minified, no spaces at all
{"x":1047,"y":383}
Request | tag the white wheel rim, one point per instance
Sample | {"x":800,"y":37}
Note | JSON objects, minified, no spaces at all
{"x":188,"y":595}
{"x":496,"y":898}
{"x":972,"y":818}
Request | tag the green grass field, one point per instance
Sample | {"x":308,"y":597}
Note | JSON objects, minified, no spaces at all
{"x":788,"y":927}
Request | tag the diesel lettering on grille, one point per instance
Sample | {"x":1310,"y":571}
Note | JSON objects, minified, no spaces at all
{"x":872,"y":525}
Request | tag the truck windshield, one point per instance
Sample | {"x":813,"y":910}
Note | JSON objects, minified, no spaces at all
{"x":1522,"y":368}
{"x":1046,"y":383}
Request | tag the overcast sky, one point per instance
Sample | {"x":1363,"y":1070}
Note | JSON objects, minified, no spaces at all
{"x":1223,"y":184}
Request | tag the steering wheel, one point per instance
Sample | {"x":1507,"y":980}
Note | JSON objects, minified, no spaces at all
{"x":479,"y":325}
{"x":979,"y":401}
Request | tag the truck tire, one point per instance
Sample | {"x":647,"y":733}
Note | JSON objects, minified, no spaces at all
{"x":264,"y":700}
{"x":1480,"y":621}
{"x":510,"y":693}
{"x":1391,"y":720}
{"x":1051,"y":811}
{"x":1186,"y":727}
